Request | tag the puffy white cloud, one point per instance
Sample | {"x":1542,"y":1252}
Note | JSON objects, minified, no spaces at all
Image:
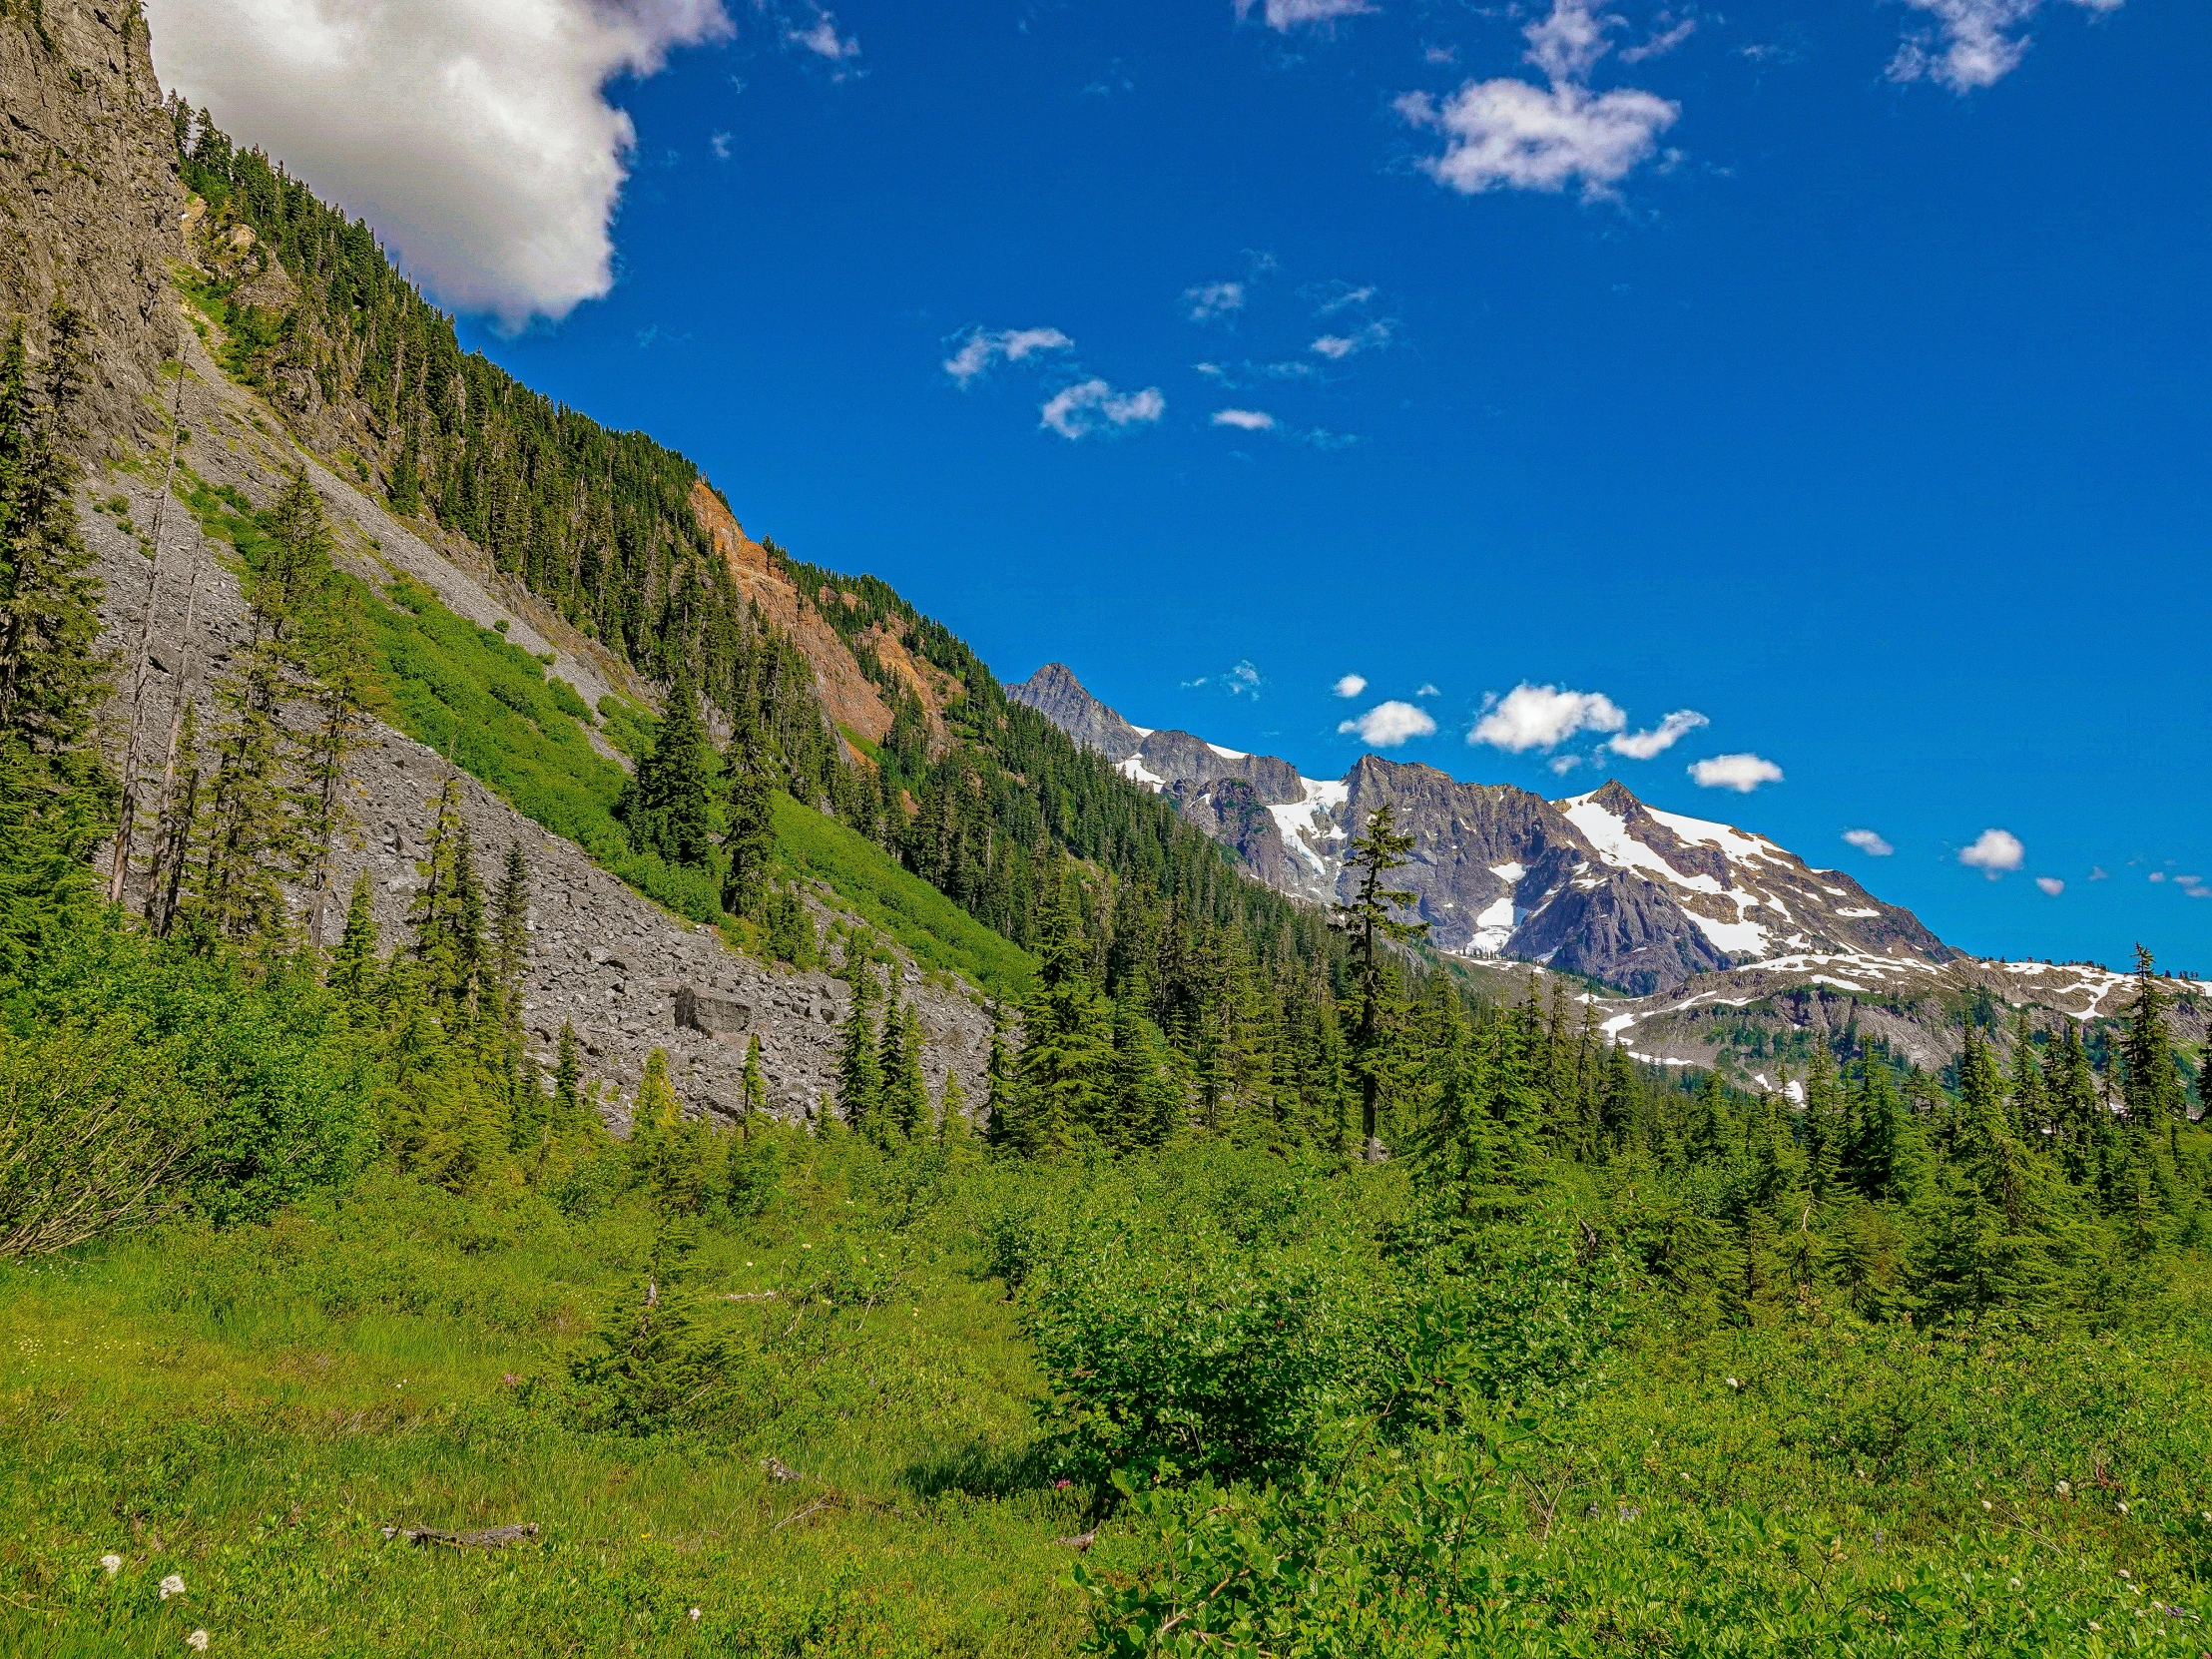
{"x":1642,"y":745}
{"x":1543,"y":716}
{"x":1387,"y":725}
{"x":820,"y":37}
{"x":1286,"y":15}
{"x":1337,"y":347}
{"x":1524,"y":137}
{"x":473,"y":135}
{"x":1211,"y":302}
{"x":1994,"y":852}
{"x":1352,"y":685}
{"x":1508,"y":133}
{"x":1561,"y":765}
{"x":980,"y":348}
{"x":1245,"y":420}
{"x":1974,"y":43}
{"x":1740,"y":772}
{"x":1869,"y":842}
{"x":2050,"y":885}
{"x":1078,"y":410}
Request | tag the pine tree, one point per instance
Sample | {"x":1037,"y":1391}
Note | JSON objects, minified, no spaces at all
{"x":1371,"y":921}
{"x":447,"y":917}
{"x":665,"y":805}
{"x":999,"y":1083}
{"x":346,"y":695}
{"x":1066,"y":1055}
{"x":568,"y":1076}
{"x":2150,"y":1082}
{"x":906,"y":1088}
{"x":353,"y":963}
{"x":951,"y":1107}
{"x":750,"y":841}
{"x":510,"y":947}
{"x":754,"y":1089}
{"x":859,"y":1072}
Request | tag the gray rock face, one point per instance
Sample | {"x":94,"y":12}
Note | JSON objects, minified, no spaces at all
{"x":1056,"y":694}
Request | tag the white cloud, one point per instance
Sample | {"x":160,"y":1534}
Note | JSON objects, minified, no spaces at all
{"x":1561,"y":765}
{"x":1352,"y":685}
{"x":2158,"y":876}
{"x":1244,"y":680}
{"x":820,"y":37}
{"x":1543,"y":716}
{"x":1740,"y":772}
{"x":981,"y":348}
{"x":1994,"y":851}
{"x":1387,"y":725}
{"x":1524,"y":136}
{"x":1869,"y":842}
{"x":1212,"y":302}
{"x":473,"y":135}
{"x":1974,"y":43}
{"x":1511,"y":134}
{"x":1078,"y":410}
{"x":1337,"y":347}
{"x":1642,"y":745}
{"x":1661,"y":43}
{"x":1286,"y":15}
{"x":719,"y":143}
{"x":1428,"y":688}
{"x":1331,"y":298}
{"x":1245,"y":420}
{"x":2050,"y":885}
{"x":2097,"y":872}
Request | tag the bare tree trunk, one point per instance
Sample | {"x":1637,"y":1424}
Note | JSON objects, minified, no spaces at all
{"x":155,"y":885}
{"x":119,"y":870}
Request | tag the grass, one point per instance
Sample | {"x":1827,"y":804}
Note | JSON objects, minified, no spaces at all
{"x":248,"y":1410}
{"x":937,"y":932}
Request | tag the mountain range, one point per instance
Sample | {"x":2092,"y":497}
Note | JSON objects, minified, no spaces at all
{"x":1598,"y":884}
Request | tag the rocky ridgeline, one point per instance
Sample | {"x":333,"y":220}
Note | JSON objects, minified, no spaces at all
{"x":627,"y":974}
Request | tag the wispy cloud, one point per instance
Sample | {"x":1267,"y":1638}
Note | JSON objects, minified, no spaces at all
{"x":1387,"y":725}
{"x":1245,"y":420}
{"x":1286,"y":15}
{"x":1352,"y":685}
{"x":1740,"y":772}
{"x":1664,"y":40}
{"x":819,"y":36}
{"x":1515,"y":135}
{"x":980,"y":348}
{"x":1092,"y":406}
{"x":1543,"y":716}
{"x":1642,"y":745}
{"x":1242,"y":678}
{"x":1328,"y":299}
{"x":719,"y":143}
{"x":1211,"y":302}
{"x":1337,"y":347}
{"x":1428,"y":688}
{"x":1973,"y":43}
{"x":2050,"y":885}
{"x":1994,"y":852}
{"x":1869,"y":842}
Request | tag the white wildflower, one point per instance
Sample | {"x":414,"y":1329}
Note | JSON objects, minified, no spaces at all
{"x":2065,"y":1488}
{"x":196,"y":1641}
{"x":110,"y":1564}
{"x":2123,"y":1505}
{"x":173,"y":1585}
{"x":695,"y":1616}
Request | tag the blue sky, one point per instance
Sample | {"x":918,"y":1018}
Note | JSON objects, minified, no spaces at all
{"x":1836,"y":373}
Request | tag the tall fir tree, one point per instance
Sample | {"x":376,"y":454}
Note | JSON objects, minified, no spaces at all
{"x":1371,"y":918}
{"x":860,"y":1070}
{"x":667,"y":804}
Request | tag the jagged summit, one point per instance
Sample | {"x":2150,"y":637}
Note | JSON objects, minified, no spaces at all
{"x":1597,"y":884}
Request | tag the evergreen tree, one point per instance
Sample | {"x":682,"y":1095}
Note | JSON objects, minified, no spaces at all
{"x":859,"y":1072}
{"x":666,"y":803}
{"x":1066,"y":1057}
{"x":754,"y":1089}
{"x":905,"y":1090}
{"x":510,"y":947}
{"x":353,"y":963}
{"x":568,"y":1076}
{"x":346,"y":696}
{"x":1371,"y":920}
{"x":750,"y":840}
{"x":2151,"y":1084}
{"x":447,"y":917}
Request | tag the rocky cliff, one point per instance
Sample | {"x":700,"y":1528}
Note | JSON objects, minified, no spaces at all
{"x":90,"y":207}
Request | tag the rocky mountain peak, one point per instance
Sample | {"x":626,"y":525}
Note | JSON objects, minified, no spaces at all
{"x":1055,"y":693}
